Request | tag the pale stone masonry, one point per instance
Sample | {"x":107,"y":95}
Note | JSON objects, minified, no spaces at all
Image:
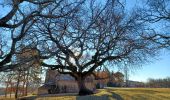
{"x":63,"y":83}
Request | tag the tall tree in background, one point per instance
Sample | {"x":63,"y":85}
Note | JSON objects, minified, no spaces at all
{"x":14,"y":20}
{"x":30,"y":70}
{"x":19,"y":19}
{"x":18,"y":81}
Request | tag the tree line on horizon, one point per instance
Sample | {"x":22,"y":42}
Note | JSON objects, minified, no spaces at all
{"x":158,"y":83}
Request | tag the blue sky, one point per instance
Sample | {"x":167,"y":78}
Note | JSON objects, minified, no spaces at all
{"x":159,"y":68}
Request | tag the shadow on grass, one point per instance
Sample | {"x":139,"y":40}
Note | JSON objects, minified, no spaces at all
{"x":28,"y":98}
{"x":116,"y":96}
{"x":104,"y":97}
{"x":108,"y":95}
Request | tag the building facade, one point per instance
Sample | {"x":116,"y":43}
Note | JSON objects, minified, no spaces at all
{"x":63,"y":83}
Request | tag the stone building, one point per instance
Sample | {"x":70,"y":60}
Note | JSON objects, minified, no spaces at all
{"x":63,"y":83}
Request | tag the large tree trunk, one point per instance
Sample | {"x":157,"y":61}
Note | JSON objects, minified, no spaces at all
{"x":82,"y":88}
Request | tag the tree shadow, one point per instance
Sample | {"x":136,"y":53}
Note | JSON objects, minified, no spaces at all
{"x":103,"y":97}
{"x":109,"y":96}
{"x":116,"y":96}
{"x":27,"y":98}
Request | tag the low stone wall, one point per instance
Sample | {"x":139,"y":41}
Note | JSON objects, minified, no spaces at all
{"x":42,"y":90}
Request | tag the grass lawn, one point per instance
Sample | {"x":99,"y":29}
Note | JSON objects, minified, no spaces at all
{"x":114,"y":94}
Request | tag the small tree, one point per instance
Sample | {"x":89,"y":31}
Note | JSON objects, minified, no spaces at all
{"x":30,"y":70}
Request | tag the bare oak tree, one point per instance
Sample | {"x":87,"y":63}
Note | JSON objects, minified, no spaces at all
{"x":97,"y":34}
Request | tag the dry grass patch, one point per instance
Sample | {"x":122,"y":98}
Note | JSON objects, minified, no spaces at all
{"x":111,"y":94}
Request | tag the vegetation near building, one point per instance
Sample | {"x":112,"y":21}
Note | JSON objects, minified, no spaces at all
{"x":26,"y":77}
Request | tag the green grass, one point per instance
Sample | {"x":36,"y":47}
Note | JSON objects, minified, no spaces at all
{"x":136,"y":93}
{"x":114,"y":94}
